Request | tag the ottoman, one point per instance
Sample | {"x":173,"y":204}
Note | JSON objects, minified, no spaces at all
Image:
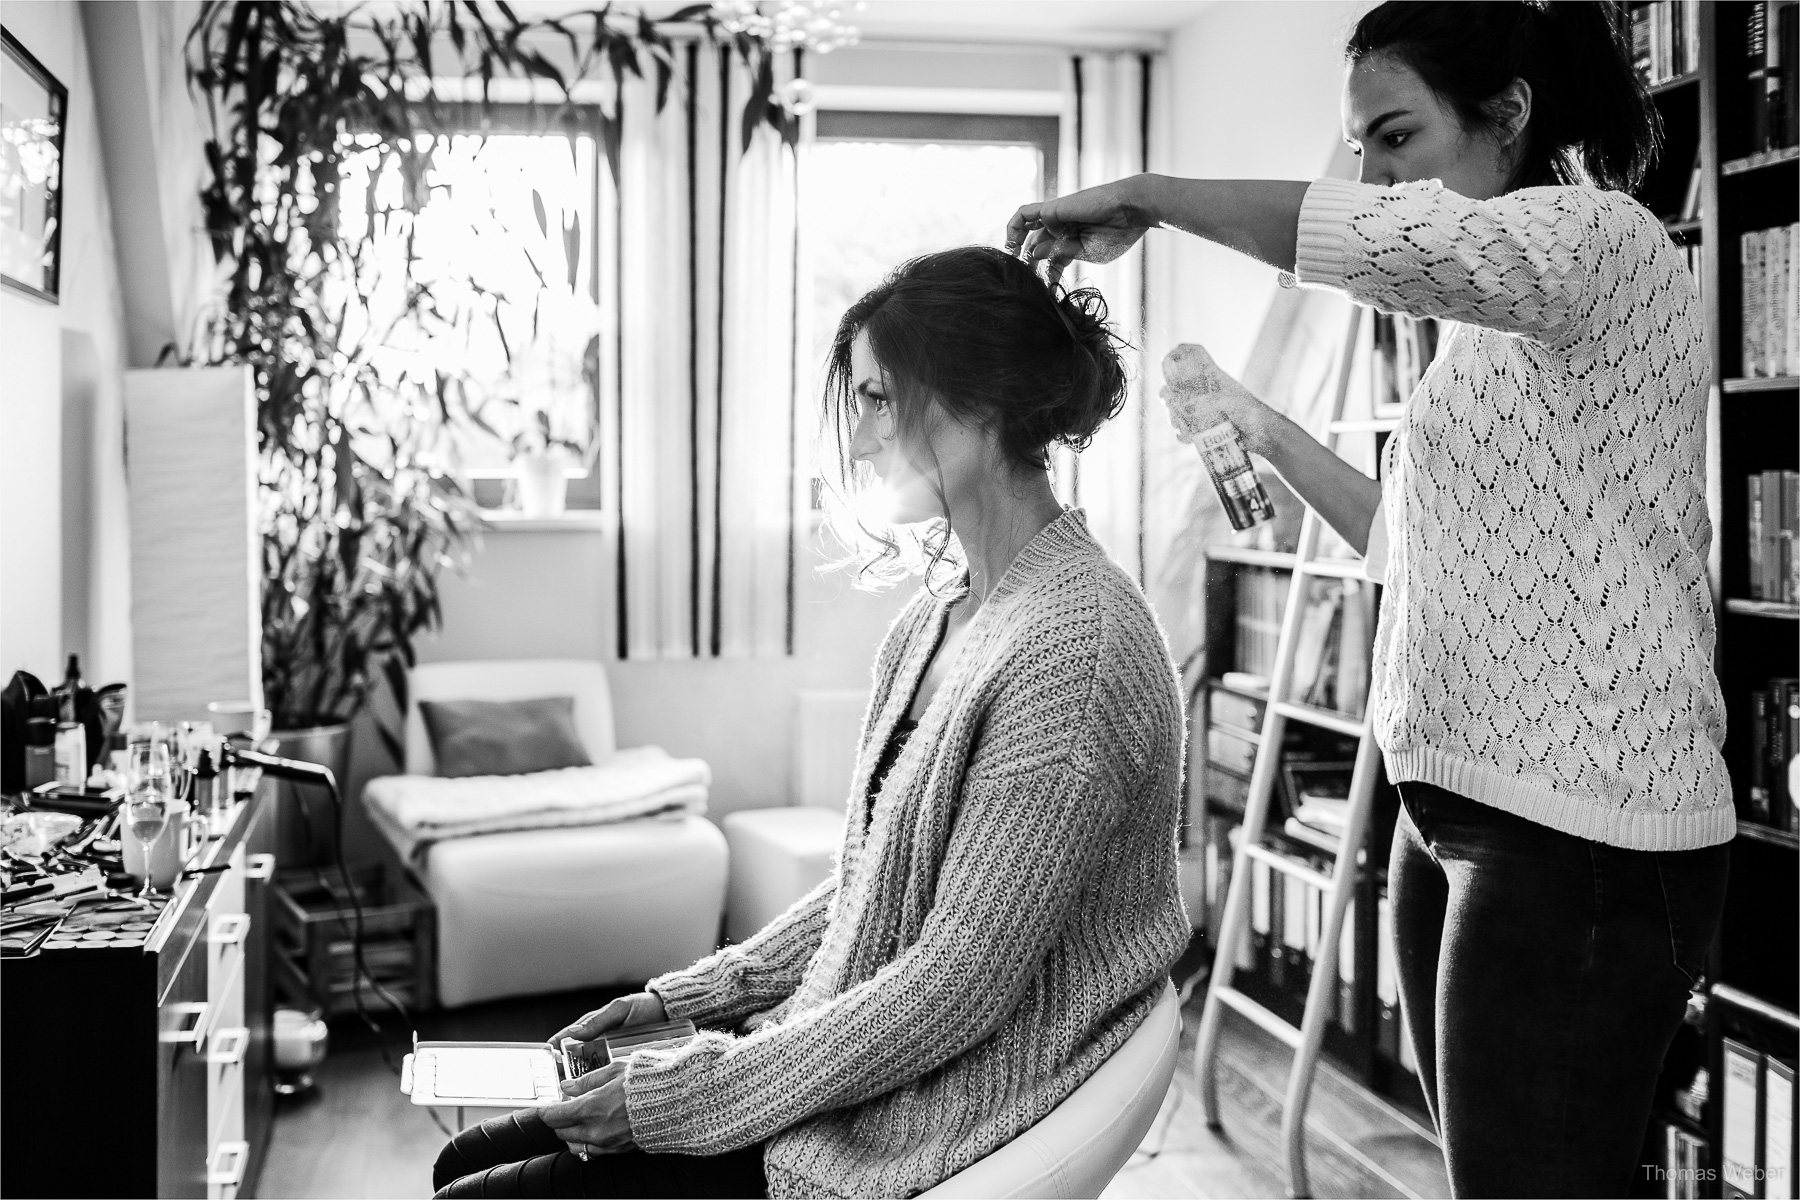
{"x":777,"y":856}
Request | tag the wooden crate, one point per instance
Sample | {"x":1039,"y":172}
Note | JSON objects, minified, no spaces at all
{"x":312,"y":948}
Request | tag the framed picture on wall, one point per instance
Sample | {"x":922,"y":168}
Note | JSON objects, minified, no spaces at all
{"x":33,"y":111}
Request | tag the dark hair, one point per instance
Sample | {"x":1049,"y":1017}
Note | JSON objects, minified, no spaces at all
{"x":975,"y":334}
{"x":1591,"y":119}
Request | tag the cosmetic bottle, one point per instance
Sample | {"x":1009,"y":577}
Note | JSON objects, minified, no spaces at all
{"x":40,"y":751}
{"x":205,"y":797}
{"x":71,"y":753}
{"x":1233,"y":476}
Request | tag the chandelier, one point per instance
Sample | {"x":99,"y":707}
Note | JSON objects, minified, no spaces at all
{"x":790,"y":24}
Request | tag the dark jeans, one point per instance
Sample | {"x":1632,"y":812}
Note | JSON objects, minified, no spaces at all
{"x":518,"y":1155}
{"x":1543,"y":976}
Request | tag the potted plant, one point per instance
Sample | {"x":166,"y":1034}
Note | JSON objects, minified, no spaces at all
{"x":360,"y":505}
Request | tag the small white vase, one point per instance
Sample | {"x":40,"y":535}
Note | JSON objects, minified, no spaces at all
{"x":543,"y":484}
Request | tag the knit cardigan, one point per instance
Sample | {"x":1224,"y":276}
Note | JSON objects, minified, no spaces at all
{"x":1005,"y":922}
{"x":1545,"y":642}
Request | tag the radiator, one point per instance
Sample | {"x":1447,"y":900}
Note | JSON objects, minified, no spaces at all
{"x":826,"y":725}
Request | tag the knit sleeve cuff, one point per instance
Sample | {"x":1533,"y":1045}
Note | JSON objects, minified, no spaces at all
{"x":658,"y":1091}
{"x":686,"y":995}
{"x":1319,"y":254}
{"x":1375,"y":558}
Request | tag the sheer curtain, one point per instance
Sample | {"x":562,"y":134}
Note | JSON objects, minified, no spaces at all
{"x":699,"y":384}
{"x":1113,"y":125}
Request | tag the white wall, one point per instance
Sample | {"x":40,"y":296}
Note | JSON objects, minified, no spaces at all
{"x":1255,"y":89}
{"x":64,"y":569}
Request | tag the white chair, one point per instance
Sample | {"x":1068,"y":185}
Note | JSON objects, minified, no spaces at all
{"x":550,"y":909}
{"x":780,"y":854}
{"x":1081,"y":1144}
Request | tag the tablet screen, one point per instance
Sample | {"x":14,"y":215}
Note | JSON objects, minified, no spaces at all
{"x":487,"y":1072}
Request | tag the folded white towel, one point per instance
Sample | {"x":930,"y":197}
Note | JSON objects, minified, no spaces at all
{"x":639,"y":782}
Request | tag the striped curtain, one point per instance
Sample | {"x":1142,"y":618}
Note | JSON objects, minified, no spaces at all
{"x":1107,"y":134}
{"x":699,"y":382}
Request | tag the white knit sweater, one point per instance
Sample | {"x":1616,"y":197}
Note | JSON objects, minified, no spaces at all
{"x":1002,"y":926}
{"x":1546,"y":637}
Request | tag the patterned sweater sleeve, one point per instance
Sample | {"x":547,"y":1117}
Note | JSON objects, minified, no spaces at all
{"x":1528,"y":263}
{"x":755,"y":974}
{"x":1025,"y":842}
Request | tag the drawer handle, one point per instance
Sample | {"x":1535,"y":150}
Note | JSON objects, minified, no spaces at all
{"x":226,"y":1047}
{"x":260,"y":867}
{"x":184,"y":1031}
{"x":229,"y":929}
{"x":227,"y":1166}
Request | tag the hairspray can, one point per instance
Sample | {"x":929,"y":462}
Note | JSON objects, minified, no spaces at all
{"x":1222,"y":450}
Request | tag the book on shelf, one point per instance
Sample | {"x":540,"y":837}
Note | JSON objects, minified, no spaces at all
{"x":1690,"y":199}
{"x":1780,"y":1161}
{"x":1321,"y":810}
{"x":1770,"y":75}
{"x":1334,"y":646}
{"x":1296,"y":908}
{"x":1346,"y":971}
{"x":1409,"y":1061}
{"x":1741,"y":1154}
{"x":1665,"y":40}
{"x":1772,"y":523}
{"x":1694,"y":256}
{"x":1262,"y":904}
{"x":1770,"y":312}
{"x":1686,"y":1163}
{"x":1262,"y":598}
{"x":1249,"y":949}
{"x":1387,"y":987}
{"x":1774,"y":740}
{"x":1401,"y":352}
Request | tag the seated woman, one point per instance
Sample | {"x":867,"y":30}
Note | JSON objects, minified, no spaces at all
{"x":1005,"y":909}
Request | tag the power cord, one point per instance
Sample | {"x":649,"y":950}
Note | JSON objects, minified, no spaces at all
{"x":359,"y":973}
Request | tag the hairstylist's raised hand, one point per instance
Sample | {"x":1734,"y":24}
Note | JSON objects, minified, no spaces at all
{"x":1094,"y":225}
{"x":1200,"y":396}
{"x":639,"y":1008}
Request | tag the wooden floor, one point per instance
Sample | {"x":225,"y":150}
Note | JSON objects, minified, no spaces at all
{"x":356,"y":1135}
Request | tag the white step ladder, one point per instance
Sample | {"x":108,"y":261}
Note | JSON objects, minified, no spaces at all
{"x":1340,"y":886}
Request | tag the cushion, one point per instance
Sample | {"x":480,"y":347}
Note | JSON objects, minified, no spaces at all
{"x":503,"y":737}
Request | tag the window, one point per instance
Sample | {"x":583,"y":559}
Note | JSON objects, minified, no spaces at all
{"x":887,"y":186}
{"x":505,"y":242}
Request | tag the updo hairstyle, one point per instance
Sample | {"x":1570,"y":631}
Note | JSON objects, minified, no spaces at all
{"x":974,"y":334}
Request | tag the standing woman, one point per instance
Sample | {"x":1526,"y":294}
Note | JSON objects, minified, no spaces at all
{"x":1544,"y":691}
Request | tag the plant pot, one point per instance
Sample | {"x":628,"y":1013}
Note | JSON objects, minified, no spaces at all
{"x":305,"y":818}
{"x":543,"y":484}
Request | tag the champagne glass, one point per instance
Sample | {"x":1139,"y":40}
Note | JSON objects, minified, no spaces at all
{"x":147,"y":803}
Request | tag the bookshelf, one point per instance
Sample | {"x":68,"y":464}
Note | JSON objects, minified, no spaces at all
{"x":1247,"y":591}
{"x":1748,"y":180}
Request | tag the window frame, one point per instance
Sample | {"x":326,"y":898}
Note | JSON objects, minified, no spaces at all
{"x":990,"y":129}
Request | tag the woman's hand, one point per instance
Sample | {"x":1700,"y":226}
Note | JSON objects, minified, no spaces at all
{"x":639,"y":1008}
{"x":594,"y":1116}
{"x":1200,"y":395}
{"x":1094,"y":225}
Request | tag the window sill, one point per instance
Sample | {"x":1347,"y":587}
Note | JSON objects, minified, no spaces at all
{"x":587,"y":520}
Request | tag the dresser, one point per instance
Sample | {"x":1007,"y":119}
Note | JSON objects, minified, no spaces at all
{"x":146,"y":1069}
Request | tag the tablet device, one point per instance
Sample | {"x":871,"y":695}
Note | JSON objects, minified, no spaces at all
{"x":520,"y":1074}
{"x":481,"y":1074}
